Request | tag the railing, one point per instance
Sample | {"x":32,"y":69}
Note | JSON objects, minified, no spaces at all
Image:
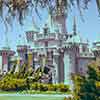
{"x":86,"y":55}
{"x":13,"y":58}
{"x":31,"y":36}
{"x":45,"y":36}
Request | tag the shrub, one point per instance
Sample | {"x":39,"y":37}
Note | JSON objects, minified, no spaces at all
{"x":34,"y":86}
{"x":39,"y":86}
{"x":63,"y":88}
{"x":69,"y":98}
{"x":50,"y":87}
{"x":43,"y":87}
{"x":9,"y":84}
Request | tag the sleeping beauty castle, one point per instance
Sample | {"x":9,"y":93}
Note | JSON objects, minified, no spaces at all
{"x":54,"y":49}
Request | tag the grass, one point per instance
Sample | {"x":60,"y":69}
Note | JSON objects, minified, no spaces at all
{"x":34,"y":92}
{"x":7,"y":92}
{"x":49,"y":95}
{"x":30,"y":98}
{"x":42,"y":92}
{"x":36,"y":97}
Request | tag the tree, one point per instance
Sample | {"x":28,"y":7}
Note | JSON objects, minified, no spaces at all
{"x":10,"y":9}
{"x":88,"y":87}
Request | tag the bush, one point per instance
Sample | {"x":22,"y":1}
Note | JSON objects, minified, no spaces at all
{"x":50,"y":87}
{"x":69,"y":98}
{"x":63,"y":88}
{"x":9,"y":84}
{"x":43,"y":87}
{"x":39,"y":86}
{"x":34,"y":86}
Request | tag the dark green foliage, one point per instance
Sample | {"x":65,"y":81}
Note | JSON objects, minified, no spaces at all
{"x":92,"y":73}
{"x":27,"y":79}
{"x":19,"y":9}
{"x":85,"y":86}
{"x":50,"y":87}
{"x":9,"y":84}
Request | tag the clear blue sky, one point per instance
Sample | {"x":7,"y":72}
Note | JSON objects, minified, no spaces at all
{"x":89,"y":29}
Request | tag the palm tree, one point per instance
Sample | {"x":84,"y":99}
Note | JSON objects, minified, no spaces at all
{"x":19,"y":8}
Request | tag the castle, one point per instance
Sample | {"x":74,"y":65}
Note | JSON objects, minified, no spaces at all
{"x":61,"y":52}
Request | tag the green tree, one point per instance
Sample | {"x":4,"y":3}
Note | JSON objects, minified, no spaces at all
{"x":86,"y":87}
{"x":19,"y":8}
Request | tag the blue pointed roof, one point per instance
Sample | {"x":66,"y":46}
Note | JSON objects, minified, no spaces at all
{"x":21,"y":40}
{"x":74,"y":39}
{"x":97,"y":41}
{"x":33,"y":27}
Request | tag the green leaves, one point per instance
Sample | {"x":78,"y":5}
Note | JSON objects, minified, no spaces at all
{"x":11,"y":84}
{"x":87,"y":87}
{"x":19,"y":8}
{"x":1,"y":7}
{"x":92,"y":73}
{"x":98,"y":5}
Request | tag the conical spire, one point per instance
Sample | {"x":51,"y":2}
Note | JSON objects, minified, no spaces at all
{"x":6,"y":46}
{"x":59,"y":16}
{"x":21,"y":40}
{"x":74,"y":26}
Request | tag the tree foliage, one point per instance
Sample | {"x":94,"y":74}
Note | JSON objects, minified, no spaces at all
{"x":10,"y":9}
{"x":88,"y":87}
{"x":28,"y":79}
{"x":50,"y":87}
{"x":11,"y":84}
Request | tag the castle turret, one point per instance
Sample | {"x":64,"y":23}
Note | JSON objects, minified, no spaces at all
{"x":22,"y":49}
{"x":22,"y":52}
{"x":6,"y":53}
{"x":96,"y":48}
{"x":59,"y":16}
{"x":74,"y":27}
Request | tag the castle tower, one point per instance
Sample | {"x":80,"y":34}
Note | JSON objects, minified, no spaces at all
{"x":6,"y":53}
{"x":59,"y":16}
{"x":74,"y":26}
{"x":22,"y":49}
{"x":31,"y":58}
{"x":22,"y":52}
{"x":96,"y":48}
{"x":61,"y":66}
{"x":71,"y":51}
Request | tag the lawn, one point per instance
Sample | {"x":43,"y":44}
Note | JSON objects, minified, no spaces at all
{"x":30,"y":98}
{"x":4,"y":95}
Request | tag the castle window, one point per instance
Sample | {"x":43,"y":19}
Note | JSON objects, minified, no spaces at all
{"x":70,"y":36}
{"x":84,"y":48}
